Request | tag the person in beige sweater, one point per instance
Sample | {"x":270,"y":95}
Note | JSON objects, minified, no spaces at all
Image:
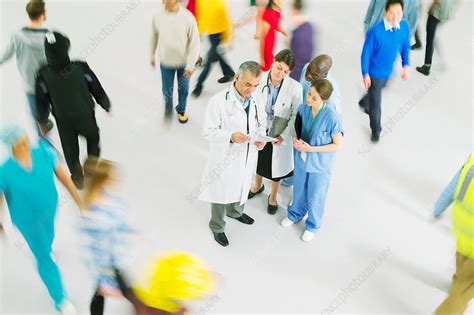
{"x":175,"y":37}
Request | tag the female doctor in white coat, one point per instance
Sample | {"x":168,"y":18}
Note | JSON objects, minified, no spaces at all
{"x":233,"y":119}
{"x":282,"y":97}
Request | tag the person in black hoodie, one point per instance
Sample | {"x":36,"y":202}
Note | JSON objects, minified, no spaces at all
{"x":67,"y":89}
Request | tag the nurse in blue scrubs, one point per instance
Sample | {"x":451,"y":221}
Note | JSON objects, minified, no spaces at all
{"x":319,"y":135}
{"x":27,"y":181}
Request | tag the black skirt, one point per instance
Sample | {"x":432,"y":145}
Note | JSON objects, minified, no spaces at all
{"x":264,"y":165}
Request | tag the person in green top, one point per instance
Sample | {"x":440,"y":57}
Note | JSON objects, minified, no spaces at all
{"x":440,"y":11}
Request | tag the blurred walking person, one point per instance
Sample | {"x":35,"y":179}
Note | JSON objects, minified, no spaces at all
{"x":271,"y":24}
{"x":214,"y":19}
{"x":439,"y":12}
{"x":68,"y":89}
{"x":383,"y":43}
{"x":302,"y":39}
{"x":27,"y":45}
{"x":176,"y":39}
{"x":27,"y":179}
{"x":460,"y":193}
{"x":105,"y":230}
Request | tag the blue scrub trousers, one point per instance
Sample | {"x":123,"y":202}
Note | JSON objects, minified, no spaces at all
{"x":309,"y":196}
{"x":167,"y":86}
{"x":39,"y":236}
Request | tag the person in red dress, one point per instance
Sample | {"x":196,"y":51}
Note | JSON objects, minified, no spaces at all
{"x":191,"y":6}
{"x":271,"y":23}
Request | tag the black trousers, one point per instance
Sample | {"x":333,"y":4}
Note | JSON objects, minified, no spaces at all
{"x":372,"y":102}
{"x":431,"y":26}
{"x":417,"y":36}
{"x":69,"y":132}
{"x":97,"y":304}
{"x":212,"y":57}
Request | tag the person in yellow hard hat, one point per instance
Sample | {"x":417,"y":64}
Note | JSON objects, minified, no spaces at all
{"x":460,"y":191}
{"x":172,"y":280}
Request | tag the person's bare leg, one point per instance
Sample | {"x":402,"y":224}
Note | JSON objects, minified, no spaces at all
{"x":273,"y":196}
{"x":258,"y":184}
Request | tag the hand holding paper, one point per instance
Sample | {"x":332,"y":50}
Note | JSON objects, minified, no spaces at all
{"x":260,"y":138}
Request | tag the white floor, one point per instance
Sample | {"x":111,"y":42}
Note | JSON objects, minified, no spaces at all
{"x":380,"y":199}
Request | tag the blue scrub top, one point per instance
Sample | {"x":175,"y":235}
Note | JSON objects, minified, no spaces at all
{"x":31,"y":195}
{"x":327,"y":125}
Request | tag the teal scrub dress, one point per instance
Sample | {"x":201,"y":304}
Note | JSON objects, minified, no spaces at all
{"x":32,"y":200}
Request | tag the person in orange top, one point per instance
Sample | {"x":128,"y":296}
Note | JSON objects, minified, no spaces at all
{"x":271,"y":23}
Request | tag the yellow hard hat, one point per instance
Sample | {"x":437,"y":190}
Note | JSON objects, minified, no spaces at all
{"x":173,"y":278}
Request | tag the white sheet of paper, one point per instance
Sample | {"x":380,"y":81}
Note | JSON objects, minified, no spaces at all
{"x":260,"y":138}
{"x":304,"y":156}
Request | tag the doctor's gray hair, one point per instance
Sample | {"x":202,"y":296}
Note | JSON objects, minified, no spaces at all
{"x":251,"y":66}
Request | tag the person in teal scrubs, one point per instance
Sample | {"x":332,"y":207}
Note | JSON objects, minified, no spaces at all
{"x":27,"y":181}
{"x":319,"y":135}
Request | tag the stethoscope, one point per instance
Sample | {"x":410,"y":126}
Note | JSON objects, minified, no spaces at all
{"x":267,"y":86}
{"x":232,"y":112}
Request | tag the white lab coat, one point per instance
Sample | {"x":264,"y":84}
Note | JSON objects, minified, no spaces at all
{"x":230,"y":166}
{"x":286,"y":106}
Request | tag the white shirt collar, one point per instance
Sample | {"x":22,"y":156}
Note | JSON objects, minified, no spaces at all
{"x":240,"y":98}
{"x":389,"y":26}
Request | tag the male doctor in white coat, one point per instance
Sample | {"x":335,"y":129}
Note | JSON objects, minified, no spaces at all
{"x":233,"y":119}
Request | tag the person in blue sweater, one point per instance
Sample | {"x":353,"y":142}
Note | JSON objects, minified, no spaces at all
{"x":383,"y":43}
{"x":376,"y":10}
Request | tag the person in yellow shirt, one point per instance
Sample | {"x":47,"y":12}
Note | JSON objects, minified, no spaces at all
{"x":213,"y":19}
{"x":460,"y":191}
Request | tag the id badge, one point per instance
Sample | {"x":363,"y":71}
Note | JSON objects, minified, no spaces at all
{"x":304,"y":156}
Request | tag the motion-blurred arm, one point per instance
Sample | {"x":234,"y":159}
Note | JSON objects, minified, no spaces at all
{"x":9,"y":50}
{"x":64,"y":178}
{"x":447,"y":196}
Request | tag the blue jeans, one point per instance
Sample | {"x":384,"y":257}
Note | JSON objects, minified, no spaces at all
{"x":167,"y":86}
{"x":309,"y":197}
{"x":372,"y":102}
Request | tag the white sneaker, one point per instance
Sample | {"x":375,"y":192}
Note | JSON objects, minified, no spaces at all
{"x":307,"y":236}
{"x":67,"y":308}
{"x":286,"y":222}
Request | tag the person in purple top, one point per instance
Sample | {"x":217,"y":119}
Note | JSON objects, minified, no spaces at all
{"x":302,"y":40}
{"x":383,"y":43}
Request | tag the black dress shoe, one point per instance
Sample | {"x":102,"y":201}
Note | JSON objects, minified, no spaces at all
{"x":253,"y":194}
{"x":226,"y":78}
{"x":423,"y":70}
{"x":245,"y":219}
{"x":363,"y":109}
{"x":416,"y":46}
{"x":271,"y":209}
{"x":221,"y":239}
{"x":375,"y":138}
{"x":197,"y":92}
